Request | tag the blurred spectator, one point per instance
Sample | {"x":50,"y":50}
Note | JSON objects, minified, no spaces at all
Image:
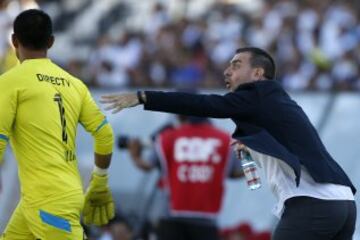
{"x":186,"y":73}
{"x":17,"y":6}
{"x":345,"y":72}
{"x":195,"y":160}
{"x":117,"y":229}
{"x":120,"y":230}
{"x":244,"y":231}
{"x":5,"y":31}
{"x":158,"y":19}
{"x":240,"y":232}
{"x":5,"y":27}
{"x":8,"y":60}
{"x":113,"y":62}
{"x":298,"y":74}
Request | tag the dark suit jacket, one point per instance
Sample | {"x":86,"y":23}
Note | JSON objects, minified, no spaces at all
{"x":267,"y":120}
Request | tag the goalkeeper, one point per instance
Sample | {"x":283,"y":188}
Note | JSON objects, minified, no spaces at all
{"x":40,"y":108}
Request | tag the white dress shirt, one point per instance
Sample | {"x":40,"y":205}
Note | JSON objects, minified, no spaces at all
{"x":281,"y":179}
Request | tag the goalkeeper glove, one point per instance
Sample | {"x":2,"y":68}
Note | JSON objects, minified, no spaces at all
{"x":99,"y":204}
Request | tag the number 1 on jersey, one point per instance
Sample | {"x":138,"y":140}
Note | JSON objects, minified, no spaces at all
{"x":58,"y":99}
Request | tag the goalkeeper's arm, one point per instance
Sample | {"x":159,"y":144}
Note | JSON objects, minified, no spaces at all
{"x":99,"y":205}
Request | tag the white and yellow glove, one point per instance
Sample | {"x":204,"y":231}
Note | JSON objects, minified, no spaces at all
{"x":99,"y":205}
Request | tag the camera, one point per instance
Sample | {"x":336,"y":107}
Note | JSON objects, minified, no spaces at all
{"x":124,"y":140}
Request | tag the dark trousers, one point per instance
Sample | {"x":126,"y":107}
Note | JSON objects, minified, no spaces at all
{"x":179,"y":229}
{"x":315,"y":219}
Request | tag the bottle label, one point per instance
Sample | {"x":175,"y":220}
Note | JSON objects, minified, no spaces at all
{"x":250,"y":171}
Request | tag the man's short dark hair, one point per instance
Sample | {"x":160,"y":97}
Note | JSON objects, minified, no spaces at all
{"x":260,"y":58}
{"x":33,"y":29}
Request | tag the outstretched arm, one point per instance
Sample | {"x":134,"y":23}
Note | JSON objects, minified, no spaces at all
{"x":231,"y":105}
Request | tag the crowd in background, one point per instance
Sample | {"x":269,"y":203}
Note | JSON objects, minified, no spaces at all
{"x":316,"y":45}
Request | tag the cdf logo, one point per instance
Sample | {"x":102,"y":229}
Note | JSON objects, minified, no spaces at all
{"x":201,"y":153}
{"x":197,"y":149}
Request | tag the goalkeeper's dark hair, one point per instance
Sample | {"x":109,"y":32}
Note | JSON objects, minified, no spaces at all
{"x":260,"y":58}
{"x":33,"y":29}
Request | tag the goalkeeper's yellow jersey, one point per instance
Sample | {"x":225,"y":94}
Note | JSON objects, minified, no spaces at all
{"x":40,"y":108}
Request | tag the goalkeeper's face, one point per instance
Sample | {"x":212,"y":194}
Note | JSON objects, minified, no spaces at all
{"x":240,"y":71}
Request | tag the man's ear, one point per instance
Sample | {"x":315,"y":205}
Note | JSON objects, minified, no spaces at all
{"x":51,"y":41}
{"x":259,"y":73}
{"x":14,"y":41}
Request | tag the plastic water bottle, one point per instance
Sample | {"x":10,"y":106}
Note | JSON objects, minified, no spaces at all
{"x":250,"y":170}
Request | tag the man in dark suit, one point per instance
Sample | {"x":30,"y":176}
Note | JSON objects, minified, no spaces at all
{"x":315,"y":196}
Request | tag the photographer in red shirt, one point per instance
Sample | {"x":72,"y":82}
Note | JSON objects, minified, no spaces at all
{"x":195,"y":158}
